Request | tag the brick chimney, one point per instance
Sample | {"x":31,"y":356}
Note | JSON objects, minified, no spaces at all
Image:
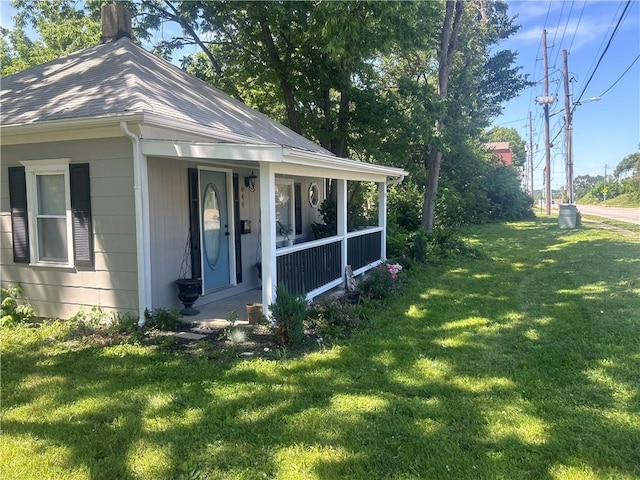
{"x":116,"y":23}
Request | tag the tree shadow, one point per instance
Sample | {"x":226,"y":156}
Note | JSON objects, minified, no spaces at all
{"x":495,"y":369}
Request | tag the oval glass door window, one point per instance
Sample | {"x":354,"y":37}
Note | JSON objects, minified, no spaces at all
{"x":211,"y":225}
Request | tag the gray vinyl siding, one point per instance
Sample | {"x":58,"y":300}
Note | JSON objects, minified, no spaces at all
{"x":112,"y":282}
{"x":169,"y":228}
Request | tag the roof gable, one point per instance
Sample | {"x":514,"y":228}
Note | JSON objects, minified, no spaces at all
{"x":119,"y":78}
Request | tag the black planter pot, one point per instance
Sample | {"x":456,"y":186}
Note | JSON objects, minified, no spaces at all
{"x":188,"y":292}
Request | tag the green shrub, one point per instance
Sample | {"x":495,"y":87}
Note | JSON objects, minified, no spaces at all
{"x":405,"y":206}
{"x":97,"y":321}
{"x":397,"y":240}
{"x":162,"y":318}
{"x":334,"y":318}
{"x":419,"y":247}
{"x":446,"y":243}
{"x":381,"y":282}
{"x":12,"y":311}
{"x":288,"y":312}
{"x":94,"y":318}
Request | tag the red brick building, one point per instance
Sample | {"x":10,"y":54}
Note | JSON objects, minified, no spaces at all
{"x":502,"y":150}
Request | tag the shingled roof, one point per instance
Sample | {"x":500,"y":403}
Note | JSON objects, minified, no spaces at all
{"x":118,"y":78}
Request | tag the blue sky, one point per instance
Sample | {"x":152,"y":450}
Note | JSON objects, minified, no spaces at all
{"x":605,"y":131}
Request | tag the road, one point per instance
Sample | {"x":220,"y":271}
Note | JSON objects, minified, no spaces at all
{"x":631,"y":215}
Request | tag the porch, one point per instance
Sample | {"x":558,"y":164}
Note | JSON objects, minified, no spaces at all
{"x":260,"y":216}
{"x":216,"y":314}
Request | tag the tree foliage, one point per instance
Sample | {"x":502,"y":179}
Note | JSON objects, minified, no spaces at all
{"x":629,"y":166}
{"x":584,"y":183}
{"x":61,"y":28}
{"x":409,"y":84}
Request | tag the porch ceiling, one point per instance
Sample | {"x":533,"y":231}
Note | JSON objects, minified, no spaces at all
{"x":283,"y":159}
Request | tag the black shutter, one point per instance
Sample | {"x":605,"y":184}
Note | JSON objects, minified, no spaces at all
{"x":194,"y":222}
{"x":297,"y":208}
{"x":236,"y":214}
{"x":80,"y":189}
{"x":19,"y":214}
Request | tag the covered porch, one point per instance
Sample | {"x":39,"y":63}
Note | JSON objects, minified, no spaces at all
{"x":303,"y":234}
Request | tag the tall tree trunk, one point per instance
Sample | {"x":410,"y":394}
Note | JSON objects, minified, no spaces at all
{"x":285,"y":85}
{"x":431,"y":188}
{"x":447,"y":48}
{"x":339,"y":146}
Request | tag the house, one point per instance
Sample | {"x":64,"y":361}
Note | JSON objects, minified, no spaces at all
{"x":121,"y":173}
{"x":502,"y":151}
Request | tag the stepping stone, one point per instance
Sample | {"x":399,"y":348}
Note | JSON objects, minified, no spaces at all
{"x":201,"y":330}
{"x":189,"y":336}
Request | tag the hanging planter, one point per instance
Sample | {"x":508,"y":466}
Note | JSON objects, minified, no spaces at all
{"x":189,"y":289}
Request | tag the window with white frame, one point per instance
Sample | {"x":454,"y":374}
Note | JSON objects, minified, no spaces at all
{"x":285,"y":220}
{"x":49,"y":208}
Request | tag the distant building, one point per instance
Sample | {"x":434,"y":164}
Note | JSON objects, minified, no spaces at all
{"x":502,"y":150}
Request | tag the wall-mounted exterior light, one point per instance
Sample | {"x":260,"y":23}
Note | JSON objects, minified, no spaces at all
{"x":250,"y":181}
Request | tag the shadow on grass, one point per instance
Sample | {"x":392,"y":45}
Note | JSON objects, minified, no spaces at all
{"x":520,"y":365}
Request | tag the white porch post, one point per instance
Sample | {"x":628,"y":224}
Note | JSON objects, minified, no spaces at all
{"x":382,"y":217}
{"x":341,"y":210}
{"x":268,"y":235}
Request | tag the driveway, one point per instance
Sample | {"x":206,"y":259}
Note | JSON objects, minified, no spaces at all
{"x":631,"y":215}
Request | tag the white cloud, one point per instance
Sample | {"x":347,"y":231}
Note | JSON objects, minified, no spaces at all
{"x":527,"y":10}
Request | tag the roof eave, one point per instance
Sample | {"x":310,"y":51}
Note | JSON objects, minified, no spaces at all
{"x":12,"y":133}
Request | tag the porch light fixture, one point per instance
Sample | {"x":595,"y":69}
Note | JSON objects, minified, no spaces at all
{"x":250,"y":181}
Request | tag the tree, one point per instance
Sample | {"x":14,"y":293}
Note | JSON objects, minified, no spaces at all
{"x":629,"y":166}
{"x":410,"y":84}
{"x":446,"y":50}
{"x":478,"y":82}
{"x":584,"y":183}
{"x":61,"y":28}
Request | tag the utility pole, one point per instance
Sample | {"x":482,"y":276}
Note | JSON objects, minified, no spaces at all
{"x":547,"y":147}
{"x":568,"y":125}
{"x":530,"y":166}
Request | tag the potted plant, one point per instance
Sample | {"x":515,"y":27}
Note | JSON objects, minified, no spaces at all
{"x":189,"y":288}
{"x":285,"y":231}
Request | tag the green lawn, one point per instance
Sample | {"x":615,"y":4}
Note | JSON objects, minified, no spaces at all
{"x":523,"y":363}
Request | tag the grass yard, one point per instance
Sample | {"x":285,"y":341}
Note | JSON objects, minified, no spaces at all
{"x":523,"y":363}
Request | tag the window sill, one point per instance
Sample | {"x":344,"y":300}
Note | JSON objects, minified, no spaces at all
{"x":57,"y":266}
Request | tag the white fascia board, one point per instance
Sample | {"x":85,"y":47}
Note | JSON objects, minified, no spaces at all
{"x":209,"y":151}
{"x":316,"y":170}
{"x":15,"y":134}
{"x":328,"y":162}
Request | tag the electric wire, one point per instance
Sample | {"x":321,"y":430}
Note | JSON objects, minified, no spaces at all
{"x":613,"y":34}
{"x":604,"y":39}
{"x":578,"y":25}
{"x":620,"y":77}
{"x":555,"y":33}
{"x":566,"y":24}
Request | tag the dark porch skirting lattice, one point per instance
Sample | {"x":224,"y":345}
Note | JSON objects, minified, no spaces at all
{"x":303,"y":271}
{"x":364,"y":249}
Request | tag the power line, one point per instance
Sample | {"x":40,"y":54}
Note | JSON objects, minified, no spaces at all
{"x":565,"y":29}
{"x":604,"y":37}
{"x":507,"y":123}
{"x":620,"y":77}
{"x":578,"y":25}
{"x":615,"y":30}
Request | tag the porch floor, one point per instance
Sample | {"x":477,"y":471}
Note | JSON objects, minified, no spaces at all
{"x":215,"y":314}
